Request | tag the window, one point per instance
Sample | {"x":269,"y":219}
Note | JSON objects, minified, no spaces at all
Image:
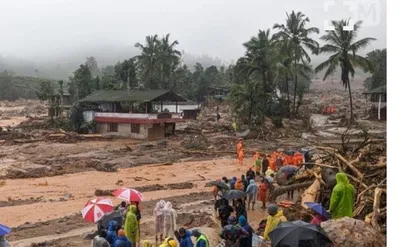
{"x":135,"y":128}
{"x":112,"y":127}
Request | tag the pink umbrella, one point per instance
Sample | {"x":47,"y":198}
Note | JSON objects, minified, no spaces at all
{"x":127,"y":194}
{"x":96,"y":208}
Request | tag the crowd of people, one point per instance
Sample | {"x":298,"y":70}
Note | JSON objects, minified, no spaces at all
{"x":256,"y":184}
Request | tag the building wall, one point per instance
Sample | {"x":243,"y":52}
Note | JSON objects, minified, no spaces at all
{"x":156,"y":132}
{"x":124,"y":129}
{"x":172,"y":108}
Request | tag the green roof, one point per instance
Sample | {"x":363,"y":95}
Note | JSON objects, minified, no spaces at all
{"x":381,"y":89}
{"x":134,"y":95}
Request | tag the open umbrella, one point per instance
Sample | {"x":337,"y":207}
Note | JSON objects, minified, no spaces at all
{"x":318,"y":208}
{"x":96,"y":208}
{"x":4,"y":230}
{"x":233,"y":194}
{"x":127,"y":194}
{"x":299,"y":233}
{"x":220,"y":184}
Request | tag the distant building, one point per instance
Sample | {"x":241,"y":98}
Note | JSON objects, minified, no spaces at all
{"x":377,"y":98}
{"x":188,"y":110}
{"x":132,"y":113}
{"x":64,"y":101}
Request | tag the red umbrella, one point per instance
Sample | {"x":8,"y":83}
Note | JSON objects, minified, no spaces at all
{"x":96,"y":208}
{"x":127,"y":194}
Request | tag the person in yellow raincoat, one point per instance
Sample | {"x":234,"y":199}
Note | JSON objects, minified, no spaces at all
{"x":131,"y":226}
{"x":257,"y":165}
{"x":274,"y":218}
{"x":169,"y":242}
{"x":342,"y":198}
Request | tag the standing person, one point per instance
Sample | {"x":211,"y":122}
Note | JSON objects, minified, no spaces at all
{"x":98,"y":241}
{"x":112,"y":232}
{"x":250,"y":174}
{"x":246,"y":241}
{"x":251,"y":193}
{"x":274,"y":218}
{"x":232,"y":183}
{"x":241,"y":157}
{"x":122,"y":240}
{"x":201,"y":239}
{"x":265,"y":164}
{"x":184,"y":238}
{"x":256,"y":156}
{"x":239,"y":151}
{"x":131,"y":227}
{"x":224,"y":211}
{"x":262,"y":195}
{"x":170,"y":216}
{"x":226,"y":181}
{"x":240,"y":208}
{"x":257,"y":166}
{"x":342,"y":198}
{"x":233,"y":233}
{"x":159,"y":219}
{"x":245,"y":182}
{"x":239,"y":185}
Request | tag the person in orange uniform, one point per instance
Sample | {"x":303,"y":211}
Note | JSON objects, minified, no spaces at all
{"x":297,"y":158}
{"x":241,"y":156}
{"x":272,"y":162}
{"x":239,"y":146}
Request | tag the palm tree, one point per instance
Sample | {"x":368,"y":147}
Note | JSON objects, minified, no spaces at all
{"x":296,"y":36}
{"x":149,"y":59}
{"x":343,"y":47}
{"x":262,"y":58}
{"x":169,"y":59}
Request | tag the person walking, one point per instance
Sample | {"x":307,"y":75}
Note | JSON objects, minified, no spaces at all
{"x":159,"y":220}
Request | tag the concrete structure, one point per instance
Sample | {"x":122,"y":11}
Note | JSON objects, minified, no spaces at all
{"x":132,"y":113}
{"x":188,"y":110}
{"x":377,"y":103}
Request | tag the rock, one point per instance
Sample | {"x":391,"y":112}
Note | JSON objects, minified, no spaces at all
{"x":120,"y":182}
{"x":67,"y":195}
{"x":349,"y":232}
{"x":104,"y":167}
{"x":146,"y":159}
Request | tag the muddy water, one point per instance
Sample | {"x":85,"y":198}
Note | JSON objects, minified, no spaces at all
{"x":81,"y":187}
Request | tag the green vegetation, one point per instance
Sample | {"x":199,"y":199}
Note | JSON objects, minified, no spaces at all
{"x":269,"y":80}
{"x":343,"y":48}
{"x":13,"y":87}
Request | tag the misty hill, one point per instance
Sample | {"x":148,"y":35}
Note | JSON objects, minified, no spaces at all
{"x":61,"y":66}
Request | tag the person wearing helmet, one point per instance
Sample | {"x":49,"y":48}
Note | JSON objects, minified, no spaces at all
{"x":169,"y":242}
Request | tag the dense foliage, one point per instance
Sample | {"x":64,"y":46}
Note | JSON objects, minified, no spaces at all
{"x":378,"y":60}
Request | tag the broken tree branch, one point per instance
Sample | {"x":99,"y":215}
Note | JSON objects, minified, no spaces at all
{"x":376,"y":205}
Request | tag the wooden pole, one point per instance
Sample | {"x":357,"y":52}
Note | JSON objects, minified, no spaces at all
{"x":379,"y":107}
{"x":176,"y":106}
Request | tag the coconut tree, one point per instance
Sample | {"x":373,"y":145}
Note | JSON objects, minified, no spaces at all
{"x":169,"y":59}
{"x":296,"y":36}
{"x":148,"y":60}
{"x":262,"y":58}
{"x":343,"y":47}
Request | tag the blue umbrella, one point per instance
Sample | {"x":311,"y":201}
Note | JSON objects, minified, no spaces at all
{"x":4,"y":230}
{"x":318,"y":208}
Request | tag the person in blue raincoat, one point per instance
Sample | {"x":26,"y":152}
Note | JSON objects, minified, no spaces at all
{"x":185,"y":238}
{"x":122,"y":240}
{"x":112,"y":232}
{"x":246,"y":241}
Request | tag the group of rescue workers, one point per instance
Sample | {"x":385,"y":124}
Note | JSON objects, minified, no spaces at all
{"x":236,"y":231}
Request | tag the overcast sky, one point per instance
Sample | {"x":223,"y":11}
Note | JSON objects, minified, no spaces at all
{"x":42,"y":29}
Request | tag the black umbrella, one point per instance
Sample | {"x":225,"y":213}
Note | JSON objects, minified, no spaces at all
{"x":298,"y":234}
{"x":233,"y":194}
{"x":115,"y":215}
{"x":220,"y":184}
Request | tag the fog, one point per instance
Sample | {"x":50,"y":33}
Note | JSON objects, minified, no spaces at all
{"x":60,"y":34}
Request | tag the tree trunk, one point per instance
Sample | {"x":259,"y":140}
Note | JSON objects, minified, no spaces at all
{"x":265,"y":82}
{"x":283,"y":189}
{"x":287,"y":93}
{"x":250,"y":112}
{"x":295,"y":86}
{"x":351,"y":100}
